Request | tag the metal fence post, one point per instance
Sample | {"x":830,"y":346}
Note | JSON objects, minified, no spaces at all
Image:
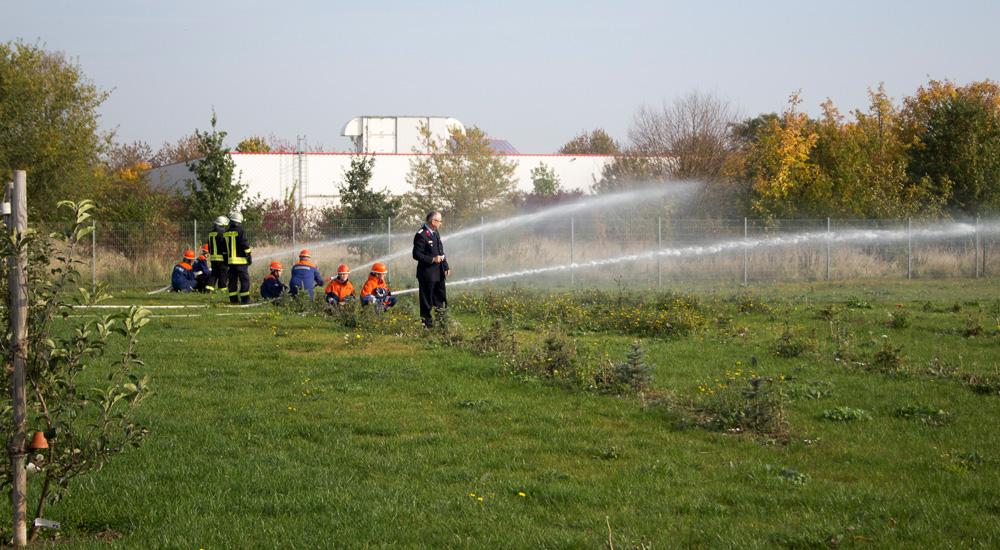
{"x":482,"y":246}
{"x":909,"y":249}
{"x":388,"y":242}
{"x":572,"y":241}
{"x":194,"y":234}
{"x":659,"y":247}
{"x":828,"y":248}
{"x":93,"y":251}
{"x":293,"y":241}
{"x":745,"y":243}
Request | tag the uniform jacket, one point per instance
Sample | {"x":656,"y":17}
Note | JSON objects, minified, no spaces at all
{"x":217,"y":244}
{"x":237,"y":248}
{"x":202,"y":265}
{"x":426,"y":245}
{"x":272,"y":287}
{"x":305,"y":275}
{"x":183,"y":277}
{"x":340,"y":289}
{"x":371,"y":284}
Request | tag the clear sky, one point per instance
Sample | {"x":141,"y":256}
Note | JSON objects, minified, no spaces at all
{"x":533,"y":72}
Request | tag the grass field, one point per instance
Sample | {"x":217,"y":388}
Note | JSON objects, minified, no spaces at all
{"x":276,"y":427}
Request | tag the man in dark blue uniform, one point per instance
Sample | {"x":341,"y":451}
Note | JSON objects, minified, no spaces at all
{"x":432,"y":268}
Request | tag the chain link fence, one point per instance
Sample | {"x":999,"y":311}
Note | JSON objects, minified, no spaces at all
{"x":583,"y":250}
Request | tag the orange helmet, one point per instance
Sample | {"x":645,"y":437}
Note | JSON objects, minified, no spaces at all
{"x":379,"y":268}
{"x":275,"y":265}
{"x":189,"y":254}
{"x":343,"y":269}
{"x":204,"y":247}
{"x":304,"y":253}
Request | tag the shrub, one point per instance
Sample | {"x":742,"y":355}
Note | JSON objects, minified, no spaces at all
{"x":927,"y":414}
{"x":846,"y":414}
{"x":900,"y":320}
{"x":635,"y":372}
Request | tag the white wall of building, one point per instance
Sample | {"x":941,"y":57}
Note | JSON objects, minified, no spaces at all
{"x":275,"y":175}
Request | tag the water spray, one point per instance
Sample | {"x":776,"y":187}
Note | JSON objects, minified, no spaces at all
{"x":949,"y":231}
{"x":676,"y":190}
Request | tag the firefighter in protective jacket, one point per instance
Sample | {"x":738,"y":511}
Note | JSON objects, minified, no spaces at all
{"x":217,"y":254}
{"x":239,"y":260}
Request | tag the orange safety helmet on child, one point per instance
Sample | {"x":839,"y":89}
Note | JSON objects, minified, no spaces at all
{"x":304,"y":254}
{"x":275,"y":265}
{"x":343,"y":269}
{"x":379,"y":268}
{"x":189,"y":254}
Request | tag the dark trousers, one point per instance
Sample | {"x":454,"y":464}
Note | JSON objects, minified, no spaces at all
{"x":433,"y":296}
{"x":204,"y":280}
{"x":239,"y":276}
{"x":220,"y":275}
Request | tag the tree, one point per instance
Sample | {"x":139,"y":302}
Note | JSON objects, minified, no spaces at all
{"x":545,"y":180}
{"x":960,"y":148}
{"x":950,"y":132}
{"x":213,"y":192}
{"x":358,"y":201}
{"x":597,"y":142}
{"x":862,"y":165}
{"x":186,"y":149}
{"x":777,"y":165}
{"x":48,"y":125}
{"x":463,"y":175}
{"x":360,"y":204}
{"x":253,"y":144}
{"x":85,"y":422}
{"x":696,"y":130}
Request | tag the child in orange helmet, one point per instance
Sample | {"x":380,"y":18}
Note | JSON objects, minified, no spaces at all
{"x":340,"y":289}
{"x":272,"y":287}
{"x":376,"y":291}
{"x":183,"y":278}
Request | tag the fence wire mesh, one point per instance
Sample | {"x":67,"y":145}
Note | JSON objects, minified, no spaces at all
{"x":584,"y":250}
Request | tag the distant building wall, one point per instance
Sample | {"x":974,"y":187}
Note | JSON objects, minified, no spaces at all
{"x":276,"y":175}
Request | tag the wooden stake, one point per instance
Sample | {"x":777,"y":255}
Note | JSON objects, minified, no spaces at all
{"x":19,"y":343}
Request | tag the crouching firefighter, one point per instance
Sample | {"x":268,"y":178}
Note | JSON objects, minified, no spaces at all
{"x":239,"y":260}
{"x":376,"y":291}
{"x":272,"y":287}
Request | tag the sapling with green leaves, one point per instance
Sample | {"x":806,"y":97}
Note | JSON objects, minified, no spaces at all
{"x":86,"y":424}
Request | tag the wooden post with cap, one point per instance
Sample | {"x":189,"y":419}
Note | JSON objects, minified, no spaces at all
{"x":18,"y":284}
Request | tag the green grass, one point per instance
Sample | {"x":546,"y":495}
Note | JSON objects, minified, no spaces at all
{"x":277,"y":430}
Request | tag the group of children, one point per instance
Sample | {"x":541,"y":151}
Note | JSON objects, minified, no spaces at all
{"x":305,"y":276}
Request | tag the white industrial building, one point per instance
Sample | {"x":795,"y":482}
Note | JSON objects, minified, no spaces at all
{"x":315,"y":177}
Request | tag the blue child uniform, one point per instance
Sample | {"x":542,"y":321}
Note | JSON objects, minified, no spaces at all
{"x":272,"y":287}
{"x":305,"y":276}
{"x":183,"y":278}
